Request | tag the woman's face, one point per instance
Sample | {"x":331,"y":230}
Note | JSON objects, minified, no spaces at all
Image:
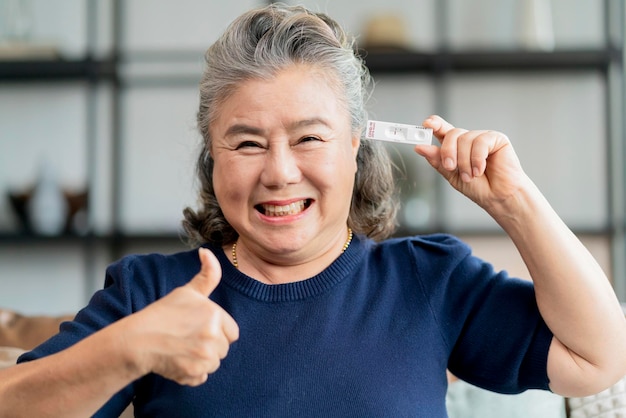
{"x":285,"y":160}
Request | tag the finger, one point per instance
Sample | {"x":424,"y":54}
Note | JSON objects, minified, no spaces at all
{"x":439,"y":125}
{"x":479,"y":155}
{"x":195,"y":380}
{"x":448,"y":136}
{"x":213,"y":347}
{"x":450,"y":148}
{"x":230,"y":328}
{"x":222,"y":327}
{"x":430,"y":153}
{"x":210,"y":273}
{"x":471,"y":154}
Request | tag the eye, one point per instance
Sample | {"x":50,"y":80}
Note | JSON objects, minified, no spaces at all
{"x":248,"y":144}
{"x":309,"y":139}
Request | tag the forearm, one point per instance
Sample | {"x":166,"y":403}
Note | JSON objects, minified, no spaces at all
{"x":574,"y":296}
{"x":75,"y":382}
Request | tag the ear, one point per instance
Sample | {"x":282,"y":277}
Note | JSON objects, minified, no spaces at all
{"x":355,"y":144}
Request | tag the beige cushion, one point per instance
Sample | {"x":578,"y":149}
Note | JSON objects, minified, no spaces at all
{"x":9,"y":355}
{"x":27,"y":332}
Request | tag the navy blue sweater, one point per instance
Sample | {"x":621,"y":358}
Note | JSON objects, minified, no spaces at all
{"x":371,"y":336}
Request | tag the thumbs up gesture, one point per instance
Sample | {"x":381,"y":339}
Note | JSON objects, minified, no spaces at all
{"x":184,"y":336}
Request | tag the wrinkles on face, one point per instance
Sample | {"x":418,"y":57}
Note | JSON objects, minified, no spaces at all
{"x":285,"y":158}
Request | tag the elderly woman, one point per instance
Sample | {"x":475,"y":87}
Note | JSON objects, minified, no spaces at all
{"x":297,"y":303}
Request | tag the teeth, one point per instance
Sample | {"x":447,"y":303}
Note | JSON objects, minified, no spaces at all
{"x":284,"y":210}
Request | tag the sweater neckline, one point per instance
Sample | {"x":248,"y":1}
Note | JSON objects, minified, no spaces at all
{"x":337,"y":271}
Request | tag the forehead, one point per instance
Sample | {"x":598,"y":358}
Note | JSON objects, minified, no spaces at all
{"x":299,"y":92}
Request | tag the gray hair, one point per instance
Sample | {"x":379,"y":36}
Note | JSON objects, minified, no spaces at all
{"x":257,"y":45}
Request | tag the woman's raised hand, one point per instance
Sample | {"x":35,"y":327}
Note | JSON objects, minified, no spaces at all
{"x":481,"y":164}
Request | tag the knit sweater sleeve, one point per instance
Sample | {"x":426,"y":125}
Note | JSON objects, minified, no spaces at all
{"x":490,"y":321}
{"x":130,"y":284}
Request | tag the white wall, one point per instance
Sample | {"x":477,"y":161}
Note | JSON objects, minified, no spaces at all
{"x":543,"y":114}
{"x":158,"y":138}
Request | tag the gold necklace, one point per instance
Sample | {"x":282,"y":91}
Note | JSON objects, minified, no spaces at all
{"x":345,"y":247}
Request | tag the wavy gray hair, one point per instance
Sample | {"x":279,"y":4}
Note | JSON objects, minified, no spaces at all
{"x":257,"y":45}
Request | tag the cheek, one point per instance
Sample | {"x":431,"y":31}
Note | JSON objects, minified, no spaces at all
{"x":229,"y":183}
{"x":334,"y":173}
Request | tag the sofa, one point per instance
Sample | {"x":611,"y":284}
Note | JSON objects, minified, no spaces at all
{"x":19,"y":333}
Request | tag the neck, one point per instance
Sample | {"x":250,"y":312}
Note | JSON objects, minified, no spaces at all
{"x":270,"y":271}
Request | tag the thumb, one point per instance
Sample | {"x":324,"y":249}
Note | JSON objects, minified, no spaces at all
{"x":431,"y":154}
{"x":209,"y":275}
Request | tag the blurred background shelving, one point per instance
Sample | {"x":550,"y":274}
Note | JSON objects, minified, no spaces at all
{"x":113,"y":110}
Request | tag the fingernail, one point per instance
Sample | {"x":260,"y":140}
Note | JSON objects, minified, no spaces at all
{"x":448,"y":163}
{"x":476,"y":172}
{"x":466,"y":177}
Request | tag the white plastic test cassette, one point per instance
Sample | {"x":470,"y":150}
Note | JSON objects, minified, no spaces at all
{"x":398,"y":132}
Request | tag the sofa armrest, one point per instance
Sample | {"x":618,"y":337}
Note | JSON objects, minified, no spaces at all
{"x":9,"y":355}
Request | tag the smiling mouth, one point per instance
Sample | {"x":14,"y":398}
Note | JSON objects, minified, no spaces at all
{"x":284,"y":210}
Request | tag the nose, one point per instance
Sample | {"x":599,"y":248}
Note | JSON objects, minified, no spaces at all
{"x":281,"y":167}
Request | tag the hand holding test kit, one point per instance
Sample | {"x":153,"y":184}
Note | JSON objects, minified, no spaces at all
{"x":398,"y":132}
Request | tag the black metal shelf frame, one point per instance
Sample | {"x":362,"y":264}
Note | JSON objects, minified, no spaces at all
{"x":439,"y":64}
{"x":87,"y":69}
{"x":377,"y":61}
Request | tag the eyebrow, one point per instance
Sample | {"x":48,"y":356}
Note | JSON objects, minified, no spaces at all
{"x":308,"y":122}
{"x":241,"y":128}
